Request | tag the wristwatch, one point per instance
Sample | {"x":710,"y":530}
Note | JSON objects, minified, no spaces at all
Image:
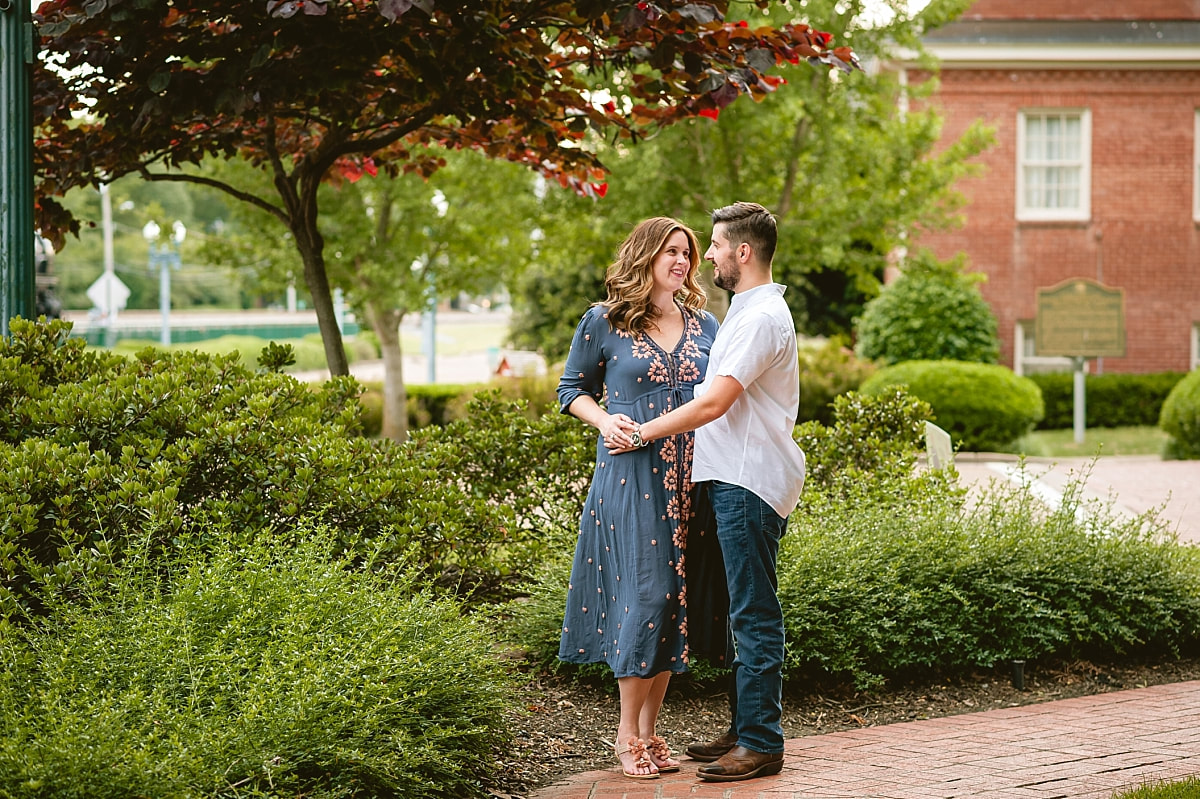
{"x":636,"y":439}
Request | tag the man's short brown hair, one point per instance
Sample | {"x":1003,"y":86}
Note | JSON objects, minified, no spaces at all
{"x":750,"y":223}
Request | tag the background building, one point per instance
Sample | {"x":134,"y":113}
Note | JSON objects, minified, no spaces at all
{"x":1096,"y":169}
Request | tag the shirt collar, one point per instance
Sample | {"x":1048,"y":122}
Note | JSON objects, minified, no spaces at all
{"x":744,"y":298}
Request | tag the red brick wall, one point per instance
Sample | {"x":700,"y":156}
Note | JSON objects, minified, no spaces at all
{"x":1141,"y":236}
{"x":1083,"y":9}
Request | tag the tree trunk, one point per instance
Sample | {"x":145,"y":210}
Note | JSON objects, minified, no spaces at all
{"x":312,"y":252}
{"x":386,"y":324}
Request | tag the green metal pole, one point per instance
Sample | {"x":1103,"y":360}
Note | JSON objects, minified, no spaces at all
{"x":17,"y":292}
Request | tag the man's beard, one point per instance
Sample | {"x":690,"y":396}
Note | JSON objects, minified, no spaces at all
{"x":728,"y":277}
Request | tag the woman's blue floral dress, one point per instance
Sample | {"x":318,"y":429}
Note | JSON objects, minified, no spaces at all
{"x":627,"y":598}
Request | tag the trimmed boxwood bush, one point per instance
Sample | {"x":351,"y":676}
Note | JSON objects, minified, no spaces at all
{"x":928,"y":315}
{"x":273,"y":668}
{"x":1111,"y":400}
{"x":1181,"y":417}
{"x":983,"y":407}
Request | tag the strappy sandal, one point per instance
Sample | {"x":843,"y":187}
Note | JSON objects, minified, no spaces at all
{"x":660,"y":755}
{"x":637,"y":748}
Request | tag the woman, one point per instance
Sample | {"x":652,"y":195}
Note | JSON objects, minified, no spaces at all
{"x":641,"y":350}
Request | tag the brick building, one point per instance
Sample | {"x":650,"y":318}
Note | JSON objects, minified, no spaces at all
{"x":1096,"y":168}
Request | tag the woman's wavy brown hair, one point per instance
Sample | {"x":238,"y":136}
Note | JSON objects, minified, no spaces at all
{"x":630,"y":279}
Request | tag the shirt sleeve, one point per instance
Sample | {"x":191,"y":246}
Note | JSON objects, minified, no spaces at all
{"x":584,"y":372}
{"x":755,"y":346}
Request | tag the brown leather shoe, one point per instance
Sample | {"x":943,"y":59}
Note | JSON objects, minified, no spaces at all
{"x":740,"y":763}
{"x":710,"y":751}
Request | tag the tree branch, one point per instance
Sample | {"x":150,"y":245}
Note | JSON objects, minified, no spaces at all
{"x":252,"y":199}
{"x":799,"y":134}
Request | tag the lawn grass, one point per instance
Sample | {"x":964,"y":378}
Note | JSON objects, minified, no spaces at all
{"x":1187,"y":789}
{"x":456,"y":338}
{"x":1096,"y":441}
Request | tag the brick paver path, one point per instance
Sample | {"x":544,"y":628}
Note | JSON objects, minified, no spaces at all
{"x":1083,"y":748}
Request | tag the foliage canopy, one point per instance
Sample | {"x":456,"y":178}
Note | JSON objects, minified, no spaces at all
{"x":353,"y":87}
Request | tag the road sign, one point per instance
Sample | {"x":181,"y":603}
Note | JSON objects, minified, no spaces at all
{"x":108,"y":293}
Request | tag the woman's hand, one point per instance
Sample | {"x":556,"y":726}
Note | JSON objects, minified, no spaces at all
{"x":621,"y":442}
{"x":616,"y":429}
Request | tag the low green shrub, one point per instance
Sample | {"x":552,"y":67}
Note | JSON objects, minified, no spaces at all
{"x":97,"y":450}
{"x":1110,"y":400}
{"x":537,"y":469}
{"x":887,"y":569}
{"x":872,"y":589}
{"x":827,"y":371}
{"x":442,"y":403}
{"x":872,"y":438}
{"x":438,"y":403}
{"x":930,"y":315}
{"x":538,"y":392}
{"x":1180,"y":417}
{"x":427,"y":404}
{"x":984,"y":407}
{"x":265,"y":669}
{"x":308,"y":351}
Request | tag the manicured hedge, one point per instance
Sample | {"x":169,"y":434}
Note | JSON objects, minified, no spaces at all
{"x":1181,"y":417}
{"x":1110,"y":400}
{"x":928,"y":315}
{"x":984,"y":407}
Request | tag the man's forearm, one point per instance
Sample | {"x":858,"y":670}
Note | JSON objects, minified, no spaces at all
{"x":697,"y":413}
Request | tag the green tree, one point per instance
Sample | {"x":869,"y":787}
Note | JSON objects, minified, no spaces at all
{"x":135,"y":202}
{"x":394,"y":241}
{"x":851,"y":178}
{"x":354,"y":86}
{"x":933,"y":312}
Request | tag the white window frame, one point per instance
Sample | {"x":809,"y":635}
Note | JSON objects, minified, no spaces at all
{"x":1195,"y":346}
{"x":1079,"y":213}
{"x":1196,"y":169}
{"x":1024,"y":364}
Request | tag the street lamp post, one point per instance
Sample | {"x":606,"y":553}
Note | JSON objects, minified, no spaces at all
{"x":164,"y":257}
{"x":17,"y":293}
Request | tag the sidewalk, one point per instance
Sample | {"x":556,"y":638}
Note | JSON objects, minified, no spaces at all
{"x":1134,"y":484}
{"x":1082,"y":748}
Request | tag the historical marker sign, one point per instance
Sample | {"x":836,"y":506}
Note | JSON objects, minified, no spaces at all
{"x":1080,"y":318}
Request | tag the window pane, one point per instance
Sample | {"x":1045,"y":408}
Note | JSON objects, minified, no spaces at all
{"x":1052,"y":165}
{"x":1072,"y":139}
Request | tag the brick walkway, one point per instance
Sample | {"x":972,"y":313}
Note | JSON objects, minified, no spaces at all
{"x":1083,"y":748}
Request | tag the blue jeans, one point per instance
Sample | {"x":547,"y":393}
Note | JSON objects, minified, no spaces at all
{"x":749,"y":531}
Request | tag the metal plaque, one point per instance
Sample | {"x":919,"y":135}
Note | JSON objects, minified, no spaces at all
{"x":1080,"y":318}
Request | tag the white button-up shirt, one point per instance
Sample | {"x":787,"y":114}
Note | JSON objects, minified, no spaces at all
{"x":751,"y":445}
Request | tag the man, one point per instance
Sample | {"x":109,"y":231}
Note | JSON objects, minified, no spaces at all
{"x":743,"y":414}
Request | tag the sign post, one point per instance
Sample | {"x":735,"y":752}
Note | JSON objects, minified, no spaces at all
{"x":1080,"y":319}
